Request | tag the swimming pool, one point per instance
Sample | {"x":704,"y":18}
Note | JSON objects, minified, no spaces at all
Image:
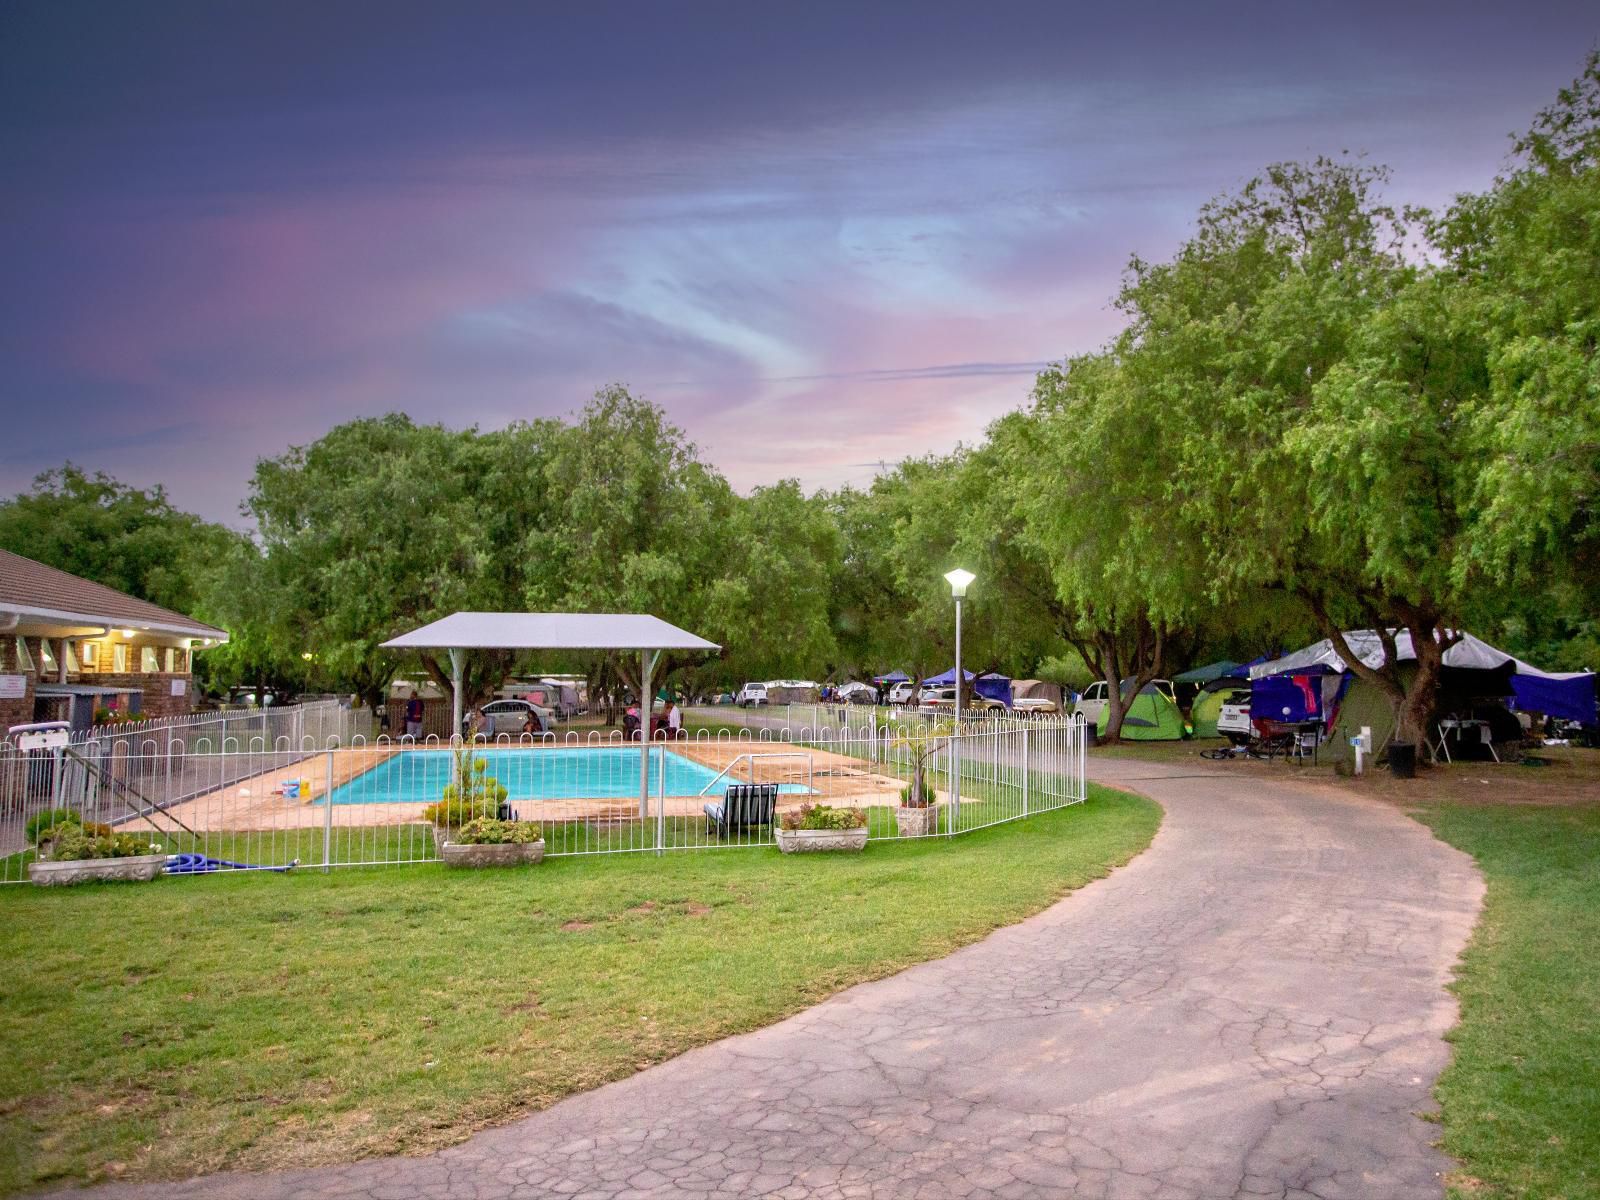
{"x":547,"y":773}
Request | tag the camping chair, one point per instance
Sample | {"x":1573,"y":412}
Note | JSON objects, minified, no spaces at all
{"x":1306,"y":740}
{"x":744,"y":806}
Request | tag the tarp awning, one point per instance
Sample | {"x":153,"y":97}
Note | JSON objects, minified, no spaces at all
{"x":1206,"y":673}
{"x":549,"y":631}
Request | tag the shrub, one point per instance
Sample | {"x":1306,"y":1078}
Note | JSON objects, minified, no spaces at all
{"x":48,"y":820}
{"x":72,"y":841}
{"x":910,"y":799}
{"x":821,"y":816}
{"x":487,"y":831}
{"x":473,"y":794}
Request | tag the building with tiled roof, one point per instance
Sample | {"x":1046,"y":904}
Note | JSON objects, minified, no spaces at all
{"x":70,"y":647}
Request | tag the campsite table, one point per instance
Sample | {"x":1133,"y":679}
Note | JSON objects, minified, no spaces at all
{"x":1460,"y":728}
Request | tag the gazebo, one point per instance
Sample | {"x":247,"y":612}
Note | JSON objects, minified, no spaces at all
{"x":629,"y":632}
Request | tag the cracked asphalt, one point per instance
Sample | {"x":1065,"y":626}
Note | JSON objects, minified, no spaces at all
{"x":1252,"y":1008}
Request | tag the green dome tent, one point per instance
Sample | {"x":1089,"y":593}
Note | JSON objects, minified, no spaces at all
{"x":1152,"y":717}
{"x":1208,"y":705}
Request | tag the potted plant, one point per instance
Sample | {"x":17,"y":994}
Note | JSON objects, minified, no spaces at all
{"x":73,"y":852}
{"x":918,"y":814}
{"x":472,"y":794}
{"x":489,"y":842}
{"x":819,"y":827}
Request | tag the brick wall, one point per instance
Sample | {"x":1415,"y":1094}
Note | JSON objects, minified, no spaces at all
{"x":14,"y":712}
{"x":155,"y":690}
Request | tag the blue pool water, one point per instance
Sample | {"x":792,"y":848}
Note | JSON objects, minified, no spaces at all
{"x":419,"y":776}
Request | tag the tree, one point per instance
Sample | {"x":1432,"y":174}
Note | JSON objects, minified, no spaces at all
{"x":1524,"y":257}
{"x":373,"y":529}
{"x":127,"y":538}
{"x":635,"y":523}
{"x":1128,"y":579}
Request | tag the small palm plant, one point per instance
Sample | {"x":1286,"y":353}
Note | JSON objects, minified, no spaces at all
{"x":920,"y":745}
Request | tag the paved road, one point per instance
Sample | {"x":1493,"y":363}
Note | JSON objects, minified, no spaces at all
{"x":1253,"y":1008}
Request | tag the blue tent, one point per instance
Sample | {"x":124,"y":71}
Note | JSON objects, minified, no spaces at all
{"x":1569,"y":697}
{"x":892,"y":677}
{"x":990,"y":687}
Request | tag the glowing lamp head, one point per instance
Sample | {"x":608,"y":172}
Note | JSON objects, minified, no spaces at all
{"x":959,"y":581}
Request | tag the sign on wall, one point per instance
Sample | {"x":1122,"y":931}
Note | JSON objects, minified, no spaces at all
{"x":13,"y":687}
{"x":180,"y":687}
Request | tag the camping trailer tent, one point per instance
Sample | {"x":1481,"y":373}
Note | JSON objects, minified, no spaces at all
{"x":1474,"y":673}
{"x":1036,"y":695}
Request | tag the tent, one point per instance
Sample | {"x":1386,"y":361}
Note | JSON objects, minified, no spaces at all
{"x":1460,"y":690}
{"x":793,"y":691}
{"x":1207,"y":673}
{"x":1208,"y":704}
{"x":1152,"y":717}
{"x":991,"y":686}
{"x":892,"y":677}
{"x":1570,"y":695}
{"x":1036,"y":690}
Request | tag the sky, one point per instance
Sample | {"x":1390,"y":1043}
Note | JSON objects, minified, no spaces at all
{"x":820,"y":235}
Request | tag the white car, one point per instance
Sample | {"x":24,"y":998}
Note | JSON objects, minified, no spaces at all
{"x":511,"y":717}
{"x":752,"y":694}
{"x":1233,"y":721}
{"x":900,"y":693}
{"x":1096,"y":698}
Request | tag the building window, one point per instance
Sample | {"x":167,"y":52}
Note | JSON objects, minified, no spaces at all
{"x":177,"y":661}
{"x":91,"y":656}
{"x":24,"y":659}
{"x":72,"y":655}
{"x":147,"y":660}
{"x":119,"y":658}
{"x":47,"y":658}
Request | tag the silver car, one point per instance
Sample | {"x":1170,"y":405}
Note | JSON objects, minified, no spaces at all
{"x":511,"y":717}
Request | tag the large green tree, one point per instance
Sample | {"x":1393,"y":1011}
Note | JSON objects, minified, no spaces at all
{"x":128,"y":538}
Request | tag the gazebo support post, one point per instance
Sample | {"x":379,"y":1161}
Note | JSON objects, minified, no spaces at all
{"x":647,"y":664}
{"x":457,"y":669}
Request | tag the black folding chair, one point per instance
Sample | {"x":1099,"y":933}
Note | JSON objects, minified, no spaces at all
{"x":744,"y":806}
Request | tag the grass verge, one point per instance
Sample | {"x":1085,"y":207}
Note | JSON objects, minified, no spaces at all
{"x":1521,"y":1098}
{"x":174,"y":1028}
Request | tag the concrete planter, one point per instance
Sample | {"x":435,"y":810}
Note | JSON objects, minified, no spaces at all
{"x":138,"y":867}
{"x":917,"y":822}
{"x":508,"y":854}
{"x":805,"y":841}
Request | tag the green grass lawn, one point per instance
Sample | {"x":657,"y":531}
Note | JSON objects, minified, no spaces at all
{"x":1521,"y":1098}
{"x":178,"y":1027}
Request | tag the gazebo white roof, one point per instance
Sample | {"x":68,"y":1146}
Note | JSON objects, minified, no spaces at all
{"x":549,"y":631}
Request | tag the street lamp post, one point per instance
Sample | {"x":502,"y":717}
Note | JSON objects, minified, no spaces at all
{"x":959,"y":580}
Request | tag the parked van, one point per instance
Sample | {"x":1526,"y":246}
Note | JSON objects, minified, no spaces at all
{"x":752,"y":694}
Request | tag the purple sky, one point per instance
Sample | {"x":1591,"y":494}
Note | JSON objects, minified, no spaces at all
{"x":820,"y":235}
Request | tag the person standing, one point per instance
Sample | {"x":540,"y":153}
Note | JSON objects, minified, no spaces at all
{"x":414,"y":715}
{"x":674,"y":720}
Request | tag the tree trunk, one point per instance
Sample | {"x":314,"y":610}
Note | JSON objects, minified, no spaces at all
{"x":1414,"y":706}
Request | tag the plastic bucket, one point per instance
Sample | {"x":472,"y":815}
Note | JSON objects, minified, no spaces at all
{"x":1403,"y":760}
{"x":291,"y":790}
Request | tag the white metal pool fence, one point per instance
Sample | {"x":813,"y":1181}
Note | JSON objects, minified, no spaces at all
{"x":256,"y":798}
